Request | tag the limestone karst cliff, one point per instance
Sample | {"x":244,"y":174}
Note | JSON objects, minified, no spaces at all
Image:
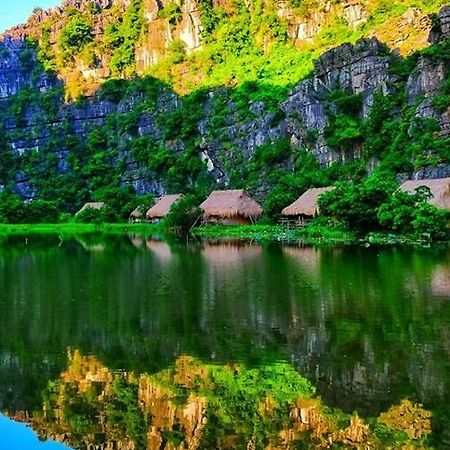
{"x":190,"y":22}
{"x":164,"y":122}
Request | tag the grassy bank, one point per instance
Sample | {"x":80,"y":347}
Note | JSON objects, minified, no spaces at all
{"x":79,"y":228}
{"x":316,"y":234}
{"x":313,"y":235}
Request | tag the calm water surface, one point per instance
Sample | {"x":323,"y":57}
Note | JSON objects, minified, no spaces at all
{"x":367,"y":326}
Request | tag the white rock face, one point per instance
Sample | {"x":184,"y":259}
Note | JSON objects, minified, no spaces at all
{"x":209,"y":163}
{"x":307,"y":30}
{"x":354,"y":14}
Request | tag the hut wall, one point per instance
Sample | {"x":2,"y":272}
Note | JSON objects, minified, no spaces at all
{"x":236,"y":220}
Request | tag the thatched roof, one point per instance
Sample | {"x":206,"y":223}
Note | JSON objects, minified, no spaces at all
{"x":91,"y":205}
{"x":232,"y":203}
{"x":439,"y":188}
{"x":162,"y":206}
{"x":137,"y":213}
{"x":307,"y":203}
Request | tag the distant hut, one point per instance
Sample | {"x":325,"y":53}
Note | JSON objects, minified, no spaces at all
{"x":91,"y":205}
{"x":137,"y":215}
{"x":305,"y":208}
{"x":439,"y":189}
{"x":233,"y":207}
{"x":162,"y":207}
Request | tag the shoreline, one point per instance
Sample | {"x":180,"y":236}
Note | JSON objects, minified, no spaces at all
{"x":255,"y":233}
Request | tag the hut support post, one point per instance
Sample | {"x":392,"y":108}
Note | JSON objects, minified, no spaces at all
{"x":195,"y":223}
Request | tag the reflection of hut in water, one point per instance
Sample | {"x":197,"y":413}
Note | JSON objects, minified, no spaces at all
{"x":233,"y":207}
{"x":439,"y":190}
{"x":162,"y":207}
{"x":160,"y":249}
{"x":91,"y":205}
{"x":307,"y":257}
{"x":137,"y":242}
{"x":91,"y":245}
{"x":440,"y":282}
{"x":306,"y":207}
{"x":230,"y":253}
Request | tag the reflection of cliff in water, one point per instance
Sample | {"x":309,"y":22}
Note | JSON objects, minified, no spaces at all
{"x":368,"y":326}
{"x":193,"y":405}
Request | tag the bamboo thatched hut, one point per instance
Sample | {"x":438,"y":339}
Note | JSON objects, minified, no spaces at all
{"x":439,"y":189}
{"x":137,"y":215}
{"x":306,"y":206}
{"x":91,"y":205}
{"x":233,"y":207}
{"x":162,"y":207}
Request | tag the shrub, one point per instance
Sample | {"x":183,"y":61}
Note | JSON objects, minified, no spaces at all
{"x":347,"y":103}
{"x":210,"y":17}
{"x":183,"y":214}
{"x":177,"y":50}
{"x":343,"y":132}
{"x":120,"y":202}
{"x":12,"y":209}
{"x":411,"y":214}
{"x":74,"y":36}
{"x":171,"y":12}
{"x":122,"y":37}
{"x":26,"y":60}
{"x":357,"y":203}
{"x":97,"y":216}
{"x":90,"y":215}
{"x":41,"y":211}
{"x":113,"y":89}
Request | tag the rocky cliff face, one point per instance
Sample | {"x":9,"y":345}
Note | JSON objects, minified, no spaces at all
{"x":223,"y":134}
{"x":304,"y":24}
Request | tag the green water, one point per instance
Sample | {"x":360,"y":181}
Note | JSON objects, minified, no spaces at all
{"x":367,"y":327}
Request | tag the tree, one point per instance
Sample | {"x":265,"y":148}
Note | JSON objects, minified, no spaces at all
{"x":357,"y":203}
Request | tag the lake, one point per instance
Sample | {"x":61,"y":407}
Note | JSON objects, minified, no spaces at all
{"x":141,"y":343}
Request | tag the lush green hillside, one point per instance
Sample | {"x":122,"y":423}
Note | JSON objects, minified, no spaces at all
{"x":233,"y":42}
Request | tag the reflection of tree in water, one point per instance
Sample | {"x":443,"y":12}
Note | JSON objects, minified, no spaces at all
{"x":362,"y":332}
{"x":191,"y":405}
